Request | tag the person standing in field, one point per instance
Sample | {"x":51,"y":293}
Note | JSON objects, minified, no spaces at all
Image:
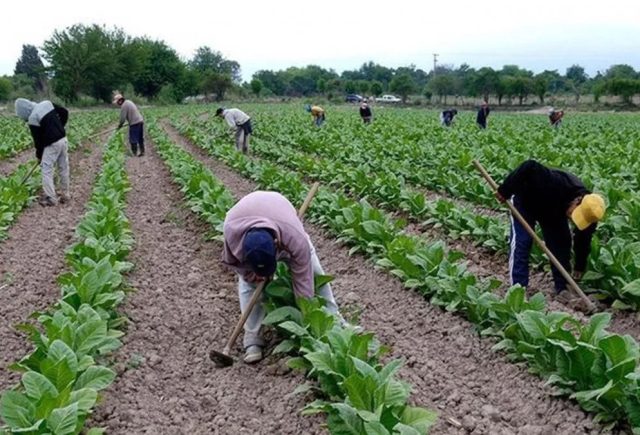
{"x":483,"y":114}
{"x":240,"y":124}
{"x":365,"y":112}
{"x":317,"y":113}
{"x":555,"y":117}
{"x":259,"y":230}
{"x":548,"y":197}
{"x":130,"y":114}
{"x":446,"y":117}
{"x":47,"y":123}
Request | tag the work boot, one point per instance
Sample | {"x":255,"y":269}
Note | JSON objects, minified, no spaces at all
{"x":565,"y":297}
{"x":64,"y":198}
{"x":252,"y":354}
{"x":47,"y":201}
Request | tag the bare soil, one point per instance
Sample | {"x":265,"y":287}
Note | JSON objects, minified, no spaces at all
{"x":474,"y":389}
{"x":33,"y":256}
{"x":8,"y":165}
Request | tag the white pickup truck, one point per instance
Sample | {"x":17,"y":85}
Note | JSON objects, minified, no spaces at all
{"x":388,"y":99}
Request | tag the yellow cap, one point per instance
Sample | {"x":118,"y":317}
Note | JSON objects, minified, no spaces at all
{"x":590,"y":210}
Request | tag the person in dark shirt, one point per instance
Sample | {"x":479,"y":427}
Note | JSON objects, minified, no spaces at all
{"x":555,"y":117}
{"x":46,"y":122}
{"x":483,"y":114}
{"x":446,"y":117}
{"x":365,"y":112}
{"x":548,"y":197}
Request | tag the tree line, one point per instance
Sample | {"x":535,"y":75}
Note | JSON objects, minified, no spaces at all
{"x":92,"y":60}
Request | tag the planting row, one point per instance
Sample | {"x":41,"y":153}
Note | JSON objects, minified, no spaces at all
{"x":16,"y":192}
{"x":614,"y":270}
{"x":591,"y":365}
{"x":62,"y":377}
{"x":360,"y":395}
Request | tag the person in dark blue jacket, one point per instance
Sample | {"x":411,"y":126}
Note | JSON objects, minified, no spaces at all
{"x":548,"y":197}
{"x":483,"y":114}
{"x":47,"y":123}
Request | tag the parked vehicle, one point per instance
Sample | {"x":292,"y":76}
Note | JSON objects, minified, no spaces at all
{"x":353,"y":98}
{"x":388,"y":99}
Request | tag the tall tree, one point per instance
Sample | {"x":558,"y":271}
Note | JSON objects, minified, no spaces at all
{"x":86,"y":59}
{"x":207,"y":60}
{"x":158,"y":66}
{"x":30,"y":64}
{"x":403,"y":85}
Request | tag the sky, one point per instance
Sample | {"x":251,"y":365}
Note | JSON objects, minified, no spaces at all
{"x":342,"y":34}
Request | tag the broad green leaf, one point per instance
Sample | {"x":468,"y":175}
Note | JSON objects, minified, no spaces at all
{"x":420,"y":419}
{"x":281,"y":314}
{"x":294,"y":328}
{"x":90,"y":335}
{"x":96,"y":377}
{"x":85,"y":398}
{"x":36,"y":385}
{"x":63,"y":421}
{"x":344,"y":420}
{"x":375,"y":428}
{"x":17,"y":410}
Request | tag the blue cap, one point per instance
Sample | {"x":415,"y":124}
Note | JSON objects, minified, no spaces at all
{"x":260,"y":251}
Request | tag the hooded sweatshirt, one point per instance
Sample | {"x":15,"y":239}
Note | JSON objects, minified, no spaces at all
{"x":46,"y":121}
{"x":274,"y":212}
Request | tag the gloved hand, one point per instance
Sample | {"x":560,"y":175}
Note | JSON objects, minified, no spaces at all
{"x":500,"y":198}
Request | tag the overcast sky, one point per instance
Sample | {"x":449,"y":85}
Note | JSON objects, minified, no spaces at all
{"x":343,"y":34}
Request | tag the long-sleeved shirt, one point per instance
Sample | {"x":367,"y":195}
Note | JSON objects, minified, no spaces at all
{"x":129,"y":113}
{"x":235,"y":117}
{"x":482,"y":116}
{"x":546,"y":195}
{"x":272,"y":211}
{"x":317,"y":111}
{"x":46,"y":123}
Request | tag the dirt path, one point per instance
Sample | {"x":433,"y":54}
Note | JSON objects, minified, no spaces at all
{"x":33,"y":256}
{"x":8,"y":165}
{"x":184,"y":304}
{"x":450,"y":368}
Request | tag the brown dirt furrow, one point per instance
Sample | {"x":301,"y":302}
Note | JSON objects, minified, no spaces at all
{"x":185,"y":303}
{"x":33,"y":256}
{"x":8,"y":165}
{"x":451,"y":369}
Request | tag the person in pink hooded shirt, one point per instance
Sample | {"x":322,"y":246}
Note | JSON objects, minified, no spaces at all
{"x":260,"y":229}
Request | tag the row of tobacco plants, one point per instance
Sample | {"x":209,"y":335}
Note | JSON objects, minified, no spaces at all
{"x":584,"y":361}
{"x":63,"y":375}
{"x":358,"y":393}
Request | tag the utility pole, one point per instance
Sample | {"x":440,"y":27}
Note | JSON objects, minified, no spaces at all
{"x":435,"y":62}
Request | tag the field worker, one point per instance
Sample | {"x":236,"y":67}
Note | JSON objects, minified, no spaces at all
{"x":240,"y":124}
{"x":130,"y":114}
{"x":555,"y":117}
{"x":446,"y":117}
{"x":46,"y":122}
{"x":548,"y":197}
{"x":260,"y":229}
{"x":483,"y":114}
{"x":365,"y":112}
{"x":317,"y":112}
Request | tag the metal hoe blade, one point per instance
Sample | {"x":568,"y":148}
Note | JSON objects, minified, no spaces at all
{"x":220,"y":359}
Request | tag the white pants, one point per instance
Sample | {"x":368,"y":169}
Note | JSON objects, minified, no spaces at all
{"x":55,"y":154}
{"x":253,"y":324}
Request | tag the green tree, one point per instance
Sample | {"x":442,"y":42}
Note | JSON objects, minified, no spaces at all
{"x":403,"y":85}
{"x":159,"y":65}
{"x":540,"y":86}
{"x":484,"y":82}
{"x":376,"y":88}
{"x":442,"y":85}
{"x":87,"y":59}
{"x":30,"y":64}
{"x":624,"y":88}
{"x":5,"y":88}
{"x":350,"y":86}
{"x":216,"y":83}
{"x":576,"y":74}
{"x":621,"y":71}
{"x":256,"y":87}
{"x":207,"y":60}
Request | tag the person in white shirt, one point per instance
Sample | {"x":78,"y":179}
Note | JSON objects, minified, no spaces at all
{"x":240,"y":124}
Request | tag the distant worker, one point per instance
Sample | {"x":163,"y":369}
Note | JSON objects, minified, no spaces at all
{"x":365,"y":112}
{"x":548,"y":197}
{"x":555,"y":117}
{"x":240,"y":125}
{"x":446,"y":117}
{"x":483,"y":114}
{"x":46,"y":122}
{"x":259,"y":230}
{"x":130,"y":114}
{"x":317,"y":112}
